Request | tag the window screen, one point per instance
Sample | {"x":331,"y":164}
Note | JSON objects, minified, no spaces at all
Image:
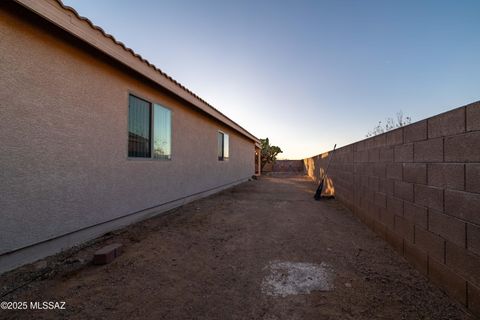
{"x":138,"y":127}
{"x":220,"y":146}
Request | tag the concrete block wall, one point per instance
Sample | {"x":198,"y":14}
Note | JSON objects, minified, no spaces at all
{"x":294,"y":166}
{"x":418,"y":187}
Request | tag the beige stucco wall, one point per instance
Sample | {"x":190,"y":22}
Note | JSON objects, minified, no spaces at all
{"x":63,"y":139}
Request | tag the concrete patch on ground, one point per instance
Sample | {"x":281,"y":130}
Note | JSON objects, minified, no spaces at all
{"x":292,"y":278}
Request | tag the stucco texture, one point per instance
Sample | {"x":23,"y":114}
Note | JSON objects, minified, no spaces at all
{"x":63,"y":138}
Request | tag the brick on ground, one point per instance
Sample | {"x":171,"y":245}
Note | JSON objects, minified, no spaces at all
{"x":107,"y":254}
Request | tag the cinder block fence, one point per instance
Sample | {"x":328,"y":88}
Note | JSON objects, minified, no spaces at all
{"x":418,"y":187}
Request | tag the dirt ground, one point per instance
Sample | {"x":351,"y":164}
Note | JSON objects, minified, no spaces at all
{"x":210,"y":259}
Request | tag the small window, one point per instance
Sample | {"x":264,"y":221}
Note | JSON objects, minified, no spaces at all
{"x":149,"y":130}
{"x":223,"y":146}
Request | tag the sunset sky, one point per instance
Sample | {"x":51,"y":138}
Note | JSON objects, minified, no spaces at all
{"x":307,"y":74}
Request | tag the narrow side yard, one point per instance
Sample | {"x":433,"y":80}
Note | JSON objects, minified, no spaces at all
{"x":262,"y":250}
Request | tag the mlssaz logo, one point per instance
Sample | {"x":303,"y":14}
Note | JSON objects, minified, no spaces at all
{"x":47,"y":305}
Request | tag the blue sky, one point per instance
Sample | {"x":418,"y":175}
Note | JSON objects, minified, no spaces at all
{"x":307,"y":74}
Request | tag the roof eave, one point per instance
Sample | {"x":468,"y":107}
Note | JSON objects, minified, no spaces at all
{"x":69,"y":20}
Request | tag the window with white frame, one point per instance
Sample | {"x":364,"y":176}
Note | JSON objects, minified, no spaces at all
{"x":149,"y":130}
{"x":223,"y":146}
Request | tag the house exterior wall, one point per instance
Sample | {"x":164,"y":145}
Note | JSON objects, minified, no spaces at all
{"x":64,"y":139}
{"x":418,"y":187}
